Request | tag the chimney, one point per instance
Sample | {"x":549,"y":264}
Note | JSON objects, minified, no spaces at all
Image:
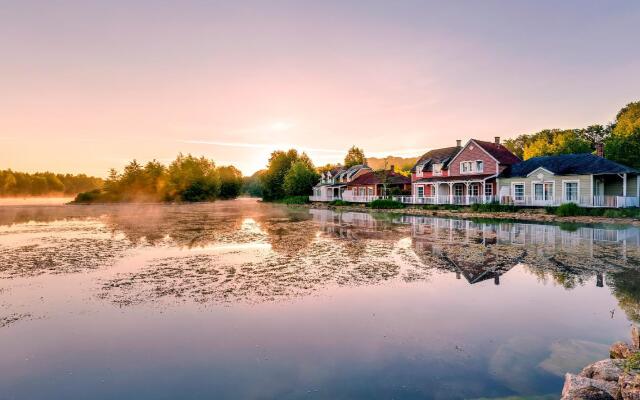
{"x":497,"y":139}
{"x":600,"y":149}
{"x":458,"y":143}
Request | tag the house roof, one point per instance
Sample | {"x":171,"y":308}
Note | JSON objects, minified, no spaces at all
{"x":436,"y":156}
{"x":474,"y":177}
{"x":350,"y":171}
{"x":568,"y":164}
{"x":378,"y":177}
{"x":499,"y":152}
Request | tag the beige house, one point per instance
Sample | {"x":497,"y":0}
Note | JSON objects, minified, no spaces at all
{"x":585,"y":179}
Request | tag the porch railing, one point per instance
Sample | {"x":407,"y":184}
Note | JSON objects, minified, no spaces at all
{"x":583,"y":201}
{"x":360,"y":199}
{"x":323,"y":198}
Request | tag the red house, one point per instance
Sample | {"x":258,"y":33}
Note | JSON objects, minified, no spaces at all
{"x":469,"y":176}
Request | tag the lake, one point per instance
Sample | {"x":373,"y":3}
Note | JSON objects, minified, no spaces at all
{"x":246,"y":300}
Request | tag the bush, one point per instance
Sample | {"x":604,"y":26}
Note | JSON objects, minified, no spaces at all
{"x":493,"y":207}
{"x":384,"y":203}
{"x":612,"y":213}
{"x":339,"y":203}
{"x":569,"y":210}
{"x":295,"y":200}
{"x":88,"y":197}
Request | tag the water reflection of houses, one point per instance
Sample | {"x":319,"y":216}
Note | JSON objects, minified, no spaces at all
{"x":574,"y":249}
{"x":480,"y":251}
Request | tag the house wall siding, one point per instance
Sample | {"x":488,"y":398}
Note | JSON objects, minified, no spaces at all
{"x":584,"y":184}
{"x":473,"y":152}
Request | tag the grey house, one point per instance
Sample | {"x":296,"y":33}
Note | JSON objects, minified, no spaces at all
{"x":585,"y":179}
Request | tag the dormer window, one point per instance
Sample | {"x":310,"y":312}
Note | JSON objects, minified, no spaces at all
{"x":437,"y":169}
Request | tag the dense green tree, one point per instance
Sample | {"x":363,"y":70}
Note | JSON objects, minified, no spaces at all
{"x":252,"y":185}
{"x":273,"y":178}
{"x":623,"y":145}
{"x":192,"y":179}
{"x":624,"y":149}
{"x":300,"y":178}
{"x":560,"y":142}
{"x":627,"y":119}
{"x":230,"y":182}
{"x":187,"y":178}
{"x":355,"y":156}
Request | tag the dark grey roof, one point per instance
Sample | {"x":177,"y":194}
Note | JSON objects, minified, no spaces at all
{"x":435,"y":156}
{"x":568,"y":164}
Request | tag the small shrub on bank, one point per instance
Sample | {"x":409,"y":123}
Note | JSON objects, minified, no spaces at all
{"x":295,"y":200}
{"x":493,"y":207}
{"x":569,"y":210}
{"x":572,"y":210}
{"x":384,"y":203}
{"x":339,"y":203}
{"x":441,"y":207}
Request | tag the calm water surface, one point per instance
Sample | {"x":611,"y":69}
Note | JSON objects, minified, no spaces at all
{"x":243,"y":300}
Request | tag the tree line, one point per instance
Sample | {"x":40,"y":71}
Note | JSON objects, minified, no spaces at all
{"x":621,"y":139}
{"x":290,"y":174}
{"x":186,"y":179}
{"x":13,"y":183}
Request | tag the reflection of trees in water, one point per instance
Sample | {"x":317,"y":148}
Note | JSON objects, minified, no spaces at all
{"x":625,"y":286}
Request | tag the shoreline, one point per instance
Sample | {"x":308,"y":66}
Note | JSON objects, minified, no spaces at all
{"x":528,"y":215}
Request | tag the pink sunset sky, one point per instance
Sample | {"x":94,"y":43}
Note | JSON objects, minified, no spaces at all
{"x":89,"y":85}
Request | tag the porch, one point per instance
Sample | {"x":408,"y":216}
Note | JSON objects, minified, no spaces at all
{"x":543,"y":190}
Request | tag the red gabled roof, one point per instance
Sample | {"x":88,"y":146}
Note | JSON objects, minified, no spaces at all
{"x":499,"y":152}
{"x":376,"y":178}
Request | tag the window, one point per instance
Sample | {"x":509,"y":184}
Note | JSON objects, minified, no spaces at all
{"x":437,"y":169}
{"x":571,"y":191}
{"x":467,"y":167}
{"x":543,"y":191}
{"x":420,"y":191}
{"x":457,"y":190}
{"x":518,"y":191}
{"x":474,"y":189}
{"x":488,"y":189}
{"x":370,"y":191}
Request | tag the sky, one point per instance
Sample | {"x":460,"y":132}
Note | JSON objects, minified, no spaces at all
{"x":90,"y":85}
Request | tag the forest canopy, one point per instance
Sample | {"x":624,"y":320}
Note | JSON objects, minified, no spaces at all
{"x":14,"y":183}
{"x":187,"y":179}
{"x":621,"y":139}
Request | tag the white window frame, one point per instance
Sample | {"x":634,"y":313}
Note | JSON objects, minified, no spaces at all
{"x":476,"y":186}
{"x":420,"y":191}
{"x":455,"y":190}
{"x":490,"y":187}
{"x":437,"y":172}
{"x":543,"y":183}
{"x":524,"y":191}
{"x":370,"y":191}
{"x":564,"y":190}
{"x":470,"y":167}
